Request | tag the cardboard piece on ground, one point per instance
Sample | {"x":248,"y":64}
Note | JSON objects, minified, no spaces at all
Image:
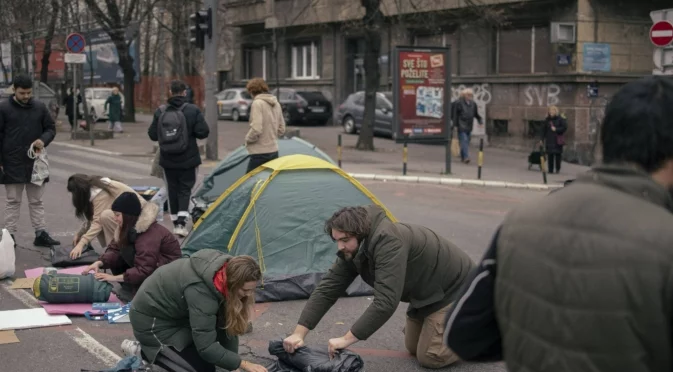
{"x":30,"y":318}
{"x":23,"y":283}
{"x":65,"y":309}
{"x":8,"y":337}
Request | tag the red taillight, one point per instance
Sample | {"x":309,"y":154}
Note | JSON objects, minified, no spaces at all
{"x":242,"y":102}
{"x":300,"y":103}
{"x":340,"y":107}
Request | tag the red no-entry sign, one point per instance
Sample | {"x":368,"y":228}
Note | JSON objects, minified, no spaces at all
{"x":661,"y":33}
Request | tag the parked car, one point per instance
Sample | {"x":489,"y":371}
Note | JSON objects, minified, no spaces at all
{"x":95,"y":101}
{"x":233,"y":104}
{"x":305,"y":107}
{"x":350,"y":113}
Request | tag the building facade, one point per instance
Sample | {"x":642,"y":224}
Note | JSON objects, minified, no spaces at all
{"x":519,"y":57}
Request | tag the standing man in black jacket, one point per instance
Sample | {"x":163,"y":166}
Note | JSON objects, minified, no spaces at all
{"x":465,"y":110}
{"x":177,"y":126}
{"x":24,"y":123}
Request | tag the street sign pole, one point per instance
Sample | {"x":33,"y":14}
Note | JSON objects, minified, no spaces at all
{"x":74,"y":100}
{"x":210,"y":52}
{"x":661,"y":36}
{"x":75,"y":44}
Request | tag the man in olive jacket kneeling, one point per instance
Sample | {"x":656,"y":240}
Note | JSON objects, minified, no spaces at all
{"x":402,"y":262}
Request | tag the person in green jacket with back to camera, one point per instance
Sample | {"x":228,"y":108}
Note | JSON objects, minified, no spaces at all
{"x":404,"y":263}
{"x":113,"y":106}
{"x":188,"y":314}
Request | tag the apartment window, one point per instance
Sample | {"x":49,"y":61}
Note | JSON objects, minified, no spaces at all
{"x":534,"y":129}
{"x":499,"y":128}
{"x":305,"y":61}
{"x":255,"y":62}
{"x":524,"y":51}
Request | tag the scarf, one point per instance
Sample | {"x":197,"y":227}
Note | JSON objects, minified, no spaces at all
{"x":220,"y":281}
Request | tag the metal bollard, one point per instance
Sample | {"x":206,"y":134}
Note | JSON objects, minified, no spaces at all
{"x":543,"y":164}
{"x":405,"y":153}
{"x":480,"y":159}
{"x":339,"y":151}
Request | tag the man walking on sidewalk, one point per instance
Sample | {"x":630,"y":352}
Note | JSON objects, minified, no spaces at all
{"x":176,"y":127}
{"x":24,"y":123}
{"x":464,"y":112}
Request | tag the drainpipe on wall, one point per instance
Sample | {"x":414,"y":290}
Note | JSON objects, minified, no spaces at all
{"x":594,"y":8}
{"x":336,"y":98}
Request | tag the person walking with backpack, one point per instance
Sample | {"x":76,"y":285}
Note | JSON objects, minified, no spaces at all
{"x":176,"y":127}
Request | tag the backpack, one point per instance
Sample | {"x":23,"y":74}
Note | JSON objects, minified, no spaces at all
{"x":172,"y":130}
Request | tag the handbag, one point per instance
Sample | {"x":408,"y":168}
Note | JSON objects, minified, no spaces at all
{"x":40,"y":166}
{"x":560,"y":140}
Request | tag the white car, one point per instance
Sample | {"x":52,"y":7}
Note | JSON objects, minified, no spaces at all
{"x":233,"y":104}
{"x":95,"y":101}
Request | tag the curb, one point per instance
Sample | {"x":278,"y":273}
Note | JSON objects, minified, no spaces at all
{"x":448,"y":181}
{"x":456,"y":182}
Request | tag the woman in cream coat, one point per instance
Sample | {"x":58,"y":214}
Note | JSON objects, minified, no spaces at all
{"x":92,"y":197}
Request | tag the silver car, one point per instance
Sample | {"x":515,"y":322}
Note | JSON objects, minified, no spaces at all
{"x":233,"y":104}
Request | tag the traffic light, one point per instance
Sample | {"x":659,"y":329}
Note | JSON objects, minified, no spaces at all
{"x":200,"y":28}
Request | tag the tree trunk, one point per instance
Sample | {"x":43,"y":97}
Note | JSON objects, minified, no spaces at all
{"x":146,"y":47}
{"x":373,"y":23}
{"x":46,"y":54}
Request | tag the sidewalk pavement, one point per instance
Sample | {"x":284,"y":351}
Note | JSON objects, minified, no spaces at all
{"x":501,"y":168}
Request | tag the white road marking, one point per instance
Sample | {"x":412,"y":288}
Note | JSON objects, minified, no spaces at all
{"x":110,"y":159}
{"x":83,"y":339}
{"x":88,"y":343}
{"x":96,"y":168}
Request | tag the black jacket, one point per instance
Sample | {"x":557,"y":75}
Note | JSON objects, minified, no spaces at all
{"x":197,"y":128}
{"x":550,"y":137}
{"x":20,"y":126}
{"x":463,"y":115}
{"x":471,"y":329}
{"x":68,"y":102}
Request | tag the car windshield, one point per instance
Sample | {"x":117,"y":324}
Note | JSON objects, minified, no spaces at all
{"x":101,"y":94}
{"x":245,"y":95}
{"x":312,"y":96}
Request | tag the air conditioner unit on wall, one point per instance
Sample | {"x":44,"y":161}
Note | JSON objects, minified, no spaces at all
{"x":563,"y":33}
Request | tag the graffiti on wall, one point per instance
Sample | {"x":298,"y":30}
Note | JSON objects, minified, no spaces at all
{"x":482,"y":97}
{"x":542,"y":95}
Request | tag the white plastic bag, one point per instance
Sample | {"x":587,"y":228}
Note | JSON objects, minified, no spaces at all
{"x":7,"y":255}
{"x":40,"y":167}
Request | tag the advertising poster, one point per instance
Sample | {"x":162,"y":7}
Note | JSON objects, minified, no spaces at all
{"x":422,"y":94}
{"x":102,"y":54}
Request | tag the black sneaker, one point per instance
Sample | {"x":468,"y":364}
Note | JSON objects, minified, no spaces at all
{"x":44,"y":240}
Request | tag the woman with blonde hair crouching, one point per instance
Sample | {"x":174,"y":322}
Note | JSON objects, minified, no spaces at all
{"x":188,"y":315}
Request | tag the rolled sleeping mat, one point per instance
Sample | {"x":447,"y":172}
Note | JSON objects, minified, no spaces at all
{"x":71,"y":289}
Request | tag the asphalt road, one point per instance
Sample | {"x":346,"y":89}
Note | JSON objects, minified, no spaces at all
{"x":467,"y":216}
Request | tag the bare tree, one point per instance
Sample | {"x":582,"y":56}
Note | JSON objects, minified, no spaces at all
{"x":48,"y":39}
{"x":116,"y":19}
{"x":373,"y":23}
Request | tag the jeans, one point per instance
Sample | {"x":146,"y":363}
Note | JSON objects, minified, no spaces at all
{"x":116,"y":126}
{"x":464,"y":139}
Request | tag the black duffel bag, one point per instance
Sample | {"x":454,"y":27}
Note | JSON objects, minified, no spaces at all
{"x":60,"y":256}
{"x":71,"y":289}
{"x":306,"y":359}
